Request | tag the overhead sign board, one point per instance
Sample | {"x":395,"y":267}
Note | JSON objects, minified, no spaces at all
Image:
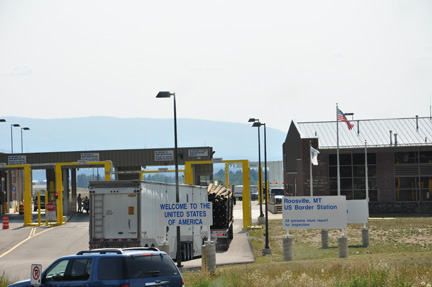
{"x":217,"y":160}
{"x":357,"y":211}
{"x":198,"y":152}
{"x":2,"y":165}
{"x":185,"y":213}
{"x":164,"y":155}
{"x":314,"y":212}
{"x":163,"y":169}
{"x":17,"y":159}
{"x":90,"y":156}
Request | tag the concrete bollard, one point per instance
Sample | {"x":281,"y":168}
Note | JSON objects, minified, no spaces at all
{"x":365,"y":237}
{"x":204,"y":258}
{"x":288,"y":250}
{"x":343,"y":247}
{"x":324,"y":238}
{"x":210,"y":248}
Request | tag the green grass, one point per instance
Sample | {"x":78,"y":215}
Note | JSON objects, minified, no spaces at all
{"x":399,"y":254}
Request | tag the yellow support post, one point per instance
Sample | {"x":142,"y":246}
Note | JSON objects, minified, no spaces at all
{"x":107,"y":168}
{"x":188,"y":174}
{"x":247,"y":214}
{"x":59,"y":190}
{"x":39,"y":209}
{"x":27,"y":195}
{"x":46,"y":203}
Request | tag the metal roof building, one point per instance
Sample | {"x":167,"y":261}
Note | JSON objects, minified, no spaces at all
{"x":399,"y":162}
{"x":378,"y":133}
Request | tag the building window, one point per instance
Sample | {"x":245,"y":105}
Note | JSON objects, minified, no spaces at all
{"x":352,"y":175}
{"x":413,"y":175}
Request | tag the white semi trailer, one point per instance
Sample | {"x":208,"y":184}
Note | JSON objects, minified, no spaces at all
{"x":124,"y":213}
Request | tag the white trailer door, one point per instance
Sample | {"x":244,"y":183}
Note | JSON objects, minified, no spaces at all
{"x":120,"y":216}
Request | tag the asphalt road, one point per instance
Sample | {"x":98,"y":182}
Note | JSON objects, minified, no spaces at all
{"x":22,"y":246}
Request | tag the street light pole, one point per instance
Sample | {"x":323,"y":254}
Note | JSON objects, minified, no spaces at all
{"x":168,"y":95}
{"x":26,"y":129}
{"x":266,"y":249}
{"x":13,"y":126}
{"x":260,"y":189}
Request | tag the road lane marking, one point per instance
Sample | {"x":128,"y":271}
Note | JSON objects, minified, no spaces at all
{"x":31,"y":235}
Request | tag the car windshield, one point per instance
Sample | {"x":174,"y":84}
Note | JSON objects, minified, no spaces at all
{"x":277,"y":191}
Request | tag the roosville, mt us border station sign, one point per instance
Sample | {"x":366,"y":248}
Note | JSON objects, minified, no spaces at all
{"x":185,"y":213}
{"x":314,"y":212}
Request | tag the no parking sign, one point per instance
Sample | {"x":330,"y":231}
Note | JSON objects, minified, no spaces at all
{"x":36,"y":273}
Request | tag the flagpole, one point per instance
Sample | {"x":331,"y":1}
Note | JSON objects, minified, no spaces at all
{"x":337,"y":152}
{"x":366,"y":173}
{"x":310,"y":166}
{"x":338,"y":165}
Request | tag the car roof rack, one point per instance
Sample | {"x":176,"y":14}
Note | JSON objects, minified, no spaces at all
{"x":100,"y":251}
{"x":140,"y":249}
{"x":116,"y":250}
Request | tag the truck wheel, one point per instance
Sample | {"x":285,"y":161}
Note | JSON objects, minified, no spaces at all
{"x":230,"y":232}
{"x":186,"y":251}
{"x":191,"y":255}
{"x":189,"y":251}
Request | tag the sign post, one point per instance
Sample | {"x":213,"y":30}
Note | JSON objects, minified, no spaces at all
{"x":35,"y":276}
{"x":51,"y":212}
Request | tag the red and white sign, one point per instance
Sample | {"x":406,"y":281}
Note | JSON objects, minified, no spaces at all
{"x":50,"y":206}
{"x":35,"y":276}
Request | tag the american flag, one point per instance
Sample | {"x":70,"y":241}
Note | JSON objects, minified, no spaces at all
{"x":341,"y":117}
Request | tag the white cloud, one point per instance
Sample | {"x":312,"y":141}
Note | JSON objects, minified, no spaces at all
{"x":21,"y":71}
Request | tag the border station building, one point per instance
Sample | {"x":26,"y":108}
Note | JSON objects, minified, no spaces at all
{"x":399,"y":162}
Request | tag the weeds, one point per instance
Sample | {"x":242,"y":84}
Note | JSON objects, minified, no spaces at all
{"x":399,"y":254}
{"x":3,"y":281}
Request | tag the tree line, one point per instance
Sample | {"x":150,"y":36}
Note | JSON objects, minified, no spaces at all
{"x":235,"y":177}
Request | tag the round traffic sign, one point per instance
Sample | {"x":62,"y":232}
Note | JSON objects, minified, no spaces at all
{"x":50,"y":206}
{"x":36,"y":272}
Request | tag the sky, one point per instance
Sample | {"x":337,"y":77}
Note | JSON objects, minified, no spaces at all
{"x":276,"y":60}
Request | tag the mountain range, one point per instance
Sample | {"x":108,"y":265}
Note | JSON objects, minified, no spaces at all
{"x":229,"y":140}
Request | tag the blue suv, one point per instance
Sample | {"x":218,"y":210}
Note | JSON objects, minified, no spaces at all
{"x":128,"y":267}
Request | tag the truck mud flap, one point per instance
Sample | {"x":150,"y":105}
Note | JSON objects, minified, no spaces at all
{"x":222,"y":244}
